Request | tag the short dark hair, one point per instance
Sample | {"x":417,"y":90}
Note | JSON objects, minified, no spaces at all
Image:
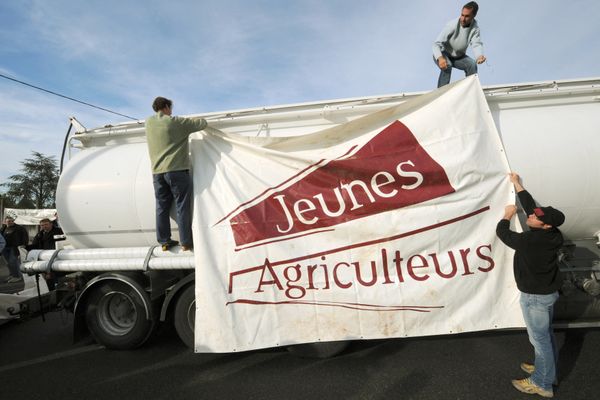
{"x":160,"y":103}
{"x":45,"y":220}
{"x":472,"y":6}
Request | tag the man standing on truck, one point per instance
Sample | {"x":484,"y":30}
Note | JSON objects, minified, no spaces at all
{"x":15,"y":236}
{"x":168,"y":147}
{"x":538,"y":279}
{"x":450,"y":47}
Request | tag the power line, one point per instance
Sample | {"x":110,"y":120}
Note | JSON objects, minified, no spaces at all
{"x":66,"y":97}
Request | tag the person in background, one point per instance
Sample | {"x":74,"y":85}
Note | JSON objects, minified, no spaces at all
{"x":167,"y":139}
{"x":45,"y":240}
{"x":538,"y":279}
{"x":55,"y":222}
{"x":15,"y":236}
{"x":450,"y":47}
{"x":2,"y":243}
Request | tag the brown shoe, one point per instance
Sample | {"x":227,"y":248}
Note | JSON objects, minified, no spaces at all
{"x":526,"y":386}
{"x":528,"y":368}
{"x":169,"y":244}
{"x":187,"y":247}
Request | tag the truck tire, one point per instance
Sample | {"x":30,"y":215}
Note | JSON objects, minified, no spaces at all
{"x":318,"y":349}
{"x":116,"y":316}
{"x":185,"y":315}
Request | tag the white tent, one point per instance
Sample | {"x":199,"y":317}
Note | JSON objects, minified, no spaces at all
{"x":30,"y":216}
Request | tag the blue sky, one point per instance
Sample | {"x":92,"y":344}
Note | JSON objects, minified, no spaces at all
{"x":214,"y":55}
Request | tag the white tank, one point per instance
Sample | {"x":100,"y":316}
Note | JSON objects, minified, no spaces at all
{"x":105,"y":197}
{"x":551,"y":133}
{"x":552,"y":139}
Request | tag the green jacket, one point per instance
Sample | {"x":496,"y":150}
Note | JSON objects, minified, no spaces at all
{"x":167,"y":139}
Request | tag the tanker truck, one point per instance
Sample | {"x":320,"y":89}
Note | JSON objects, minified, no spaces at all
{"x":126,"y":285}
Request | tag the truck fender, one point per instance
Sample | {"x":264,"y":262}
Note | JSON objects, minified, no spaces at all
{"x":79,"y":324}
{"x":173,"y":293}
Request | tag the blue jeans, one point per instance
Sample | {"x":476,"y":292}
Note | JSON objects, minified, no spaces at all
{"x":464,"y":63}
{"x":171,"y":186}
{"x":538,"y":310}
{"x":10,"y":255}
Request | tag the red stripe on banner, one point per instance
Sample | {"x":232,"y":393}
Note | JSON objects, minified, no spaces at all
{"x":284,"y":239}
{"x":352,"y":306}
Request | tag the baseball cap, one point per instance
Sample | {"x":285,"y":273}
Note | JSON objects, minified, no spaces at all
{"x":549,"y":215}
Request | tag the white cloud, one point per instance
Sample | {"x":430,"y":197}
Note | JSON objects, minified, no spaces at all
{"x":225,"y":54}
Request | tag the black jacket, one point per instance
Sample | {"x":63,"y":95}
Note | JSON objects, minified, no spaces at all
{"x":15,"y":235}
{"x":536,"y":253}
{"x":45,"y":240}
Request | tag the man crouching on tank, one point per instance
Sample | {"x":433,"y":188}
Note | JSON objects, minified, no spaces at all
{"x":538,"y":279}
{"x":168,"y":147}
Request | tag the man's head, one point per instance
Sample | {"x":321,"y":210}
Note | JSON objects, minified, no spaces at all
{"x":46,"y":224}
{"x":9,"y":220}
{"x":545,"y":218}
{"x":468,"y":13}
{"x":162,"y":104}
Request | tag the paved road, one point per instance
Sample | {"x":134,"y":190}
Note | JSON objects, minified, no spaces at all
{"x":38,"y":361}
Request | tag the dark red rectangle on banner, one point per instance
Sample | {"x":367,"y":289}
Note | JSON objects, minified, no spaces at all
{"x":391,"y":171}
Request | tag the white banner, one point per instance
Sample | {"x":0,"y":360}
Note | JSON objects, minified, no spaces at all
{"x":29,"y":216}
{"x":381,"y":227}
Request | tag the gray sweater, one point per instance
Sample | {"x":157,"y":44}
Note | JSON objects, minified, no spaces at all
{"x":167,"y":139}
{"x":454,"y":40}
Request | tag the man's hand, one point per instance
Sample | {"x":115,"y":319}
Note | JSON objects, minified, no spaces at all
{"x":442,"y":63}
{"x":510,"y":211}
{"x":516,"y":180}
{"x":481,"y":60}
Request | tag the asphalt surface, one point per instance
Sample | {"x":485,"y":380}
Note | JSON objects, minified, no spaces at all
{"x":39,"y":361}
{"x":5,"y":274}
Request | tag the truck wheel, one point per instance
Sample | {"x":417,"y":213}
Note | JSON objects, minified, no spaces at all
{"x":185,"y":315}
{"x":116,"y":316}
{"x":318,"y":349}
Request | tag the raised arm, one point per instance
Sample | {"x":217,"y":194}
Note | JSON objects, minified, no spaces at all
{"x":524,"y":196}
{"x":516,"y":181}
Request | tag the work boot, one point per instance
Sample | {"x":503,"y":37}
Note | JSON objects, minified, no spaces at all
{"x":530,"y":369}
{"x":169,"y":244}
{"x":187,"y":247}
{"x":526,"y":386}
